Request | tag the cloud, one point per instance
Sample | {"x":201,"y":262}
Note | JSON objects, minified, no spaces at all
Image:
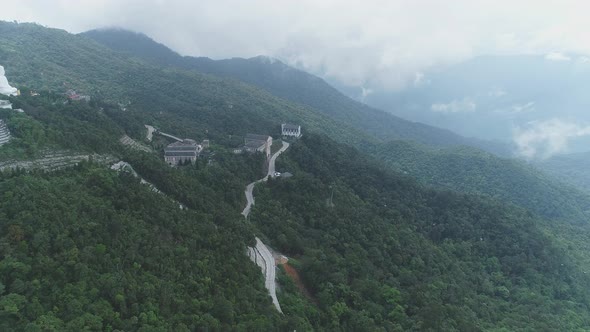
{"x":456,"y":106}
{"x":556,"y":56}
{"x":528,"y":107}
{"x":496,"y":92}
{"x":377,"y":44}
{"x":419,"y":79}
{"x":365,"y":92}
{"x":543,"y":139}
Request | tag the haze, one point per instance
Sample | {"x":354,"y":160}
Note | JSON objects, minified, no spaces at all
{"x":373,"y":44}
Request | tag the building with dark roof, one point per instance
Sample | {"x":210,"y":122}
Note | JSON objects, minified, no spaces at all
{"x":256,"y":143}
{"x":180,"y":152}
{"x":290,"y":130}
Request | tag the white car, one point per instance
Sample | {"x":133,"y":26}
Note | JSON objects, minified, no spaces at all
{"x":277,"y":174}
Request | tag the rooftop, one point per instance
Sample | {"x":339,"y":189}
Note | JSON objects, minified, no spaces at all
{"x":291,"y":126}
{"x":257,"y":137}
{"x":180,"y":153}
{"x":254,"y":144}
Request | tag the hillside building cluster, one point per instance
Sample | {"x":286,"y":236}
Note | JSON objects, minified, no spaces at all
{"x":262,"y":143}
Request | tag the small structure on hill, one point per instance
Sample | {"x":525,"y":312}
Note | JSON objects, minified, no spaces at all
{"x":5,"y":104}
{"x":290,"y":130}
{"x":179,"y":152}
{"x":256,"y":143}
{"x":72,"y":95}
{"x":4,"y":133}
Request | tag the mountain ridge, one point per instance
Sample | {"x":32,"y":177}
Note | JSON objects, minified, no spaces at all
{"x":292,"y":84}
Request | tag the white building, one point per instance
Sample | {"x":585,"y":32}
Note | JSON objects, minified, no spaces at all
{"x":290,"y":130}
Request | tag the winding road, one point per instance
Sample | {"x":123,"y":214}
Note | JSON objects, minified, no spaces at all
{"x":271,"y":172}
{"x":266,"y":261}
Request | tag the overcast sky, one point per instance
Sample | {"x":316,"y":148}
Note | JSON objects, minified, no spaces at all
{"x":367,"y":43}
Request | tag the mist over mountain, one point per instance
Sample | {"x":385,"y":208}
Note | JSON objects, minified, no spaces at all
{"x":538,"y":103}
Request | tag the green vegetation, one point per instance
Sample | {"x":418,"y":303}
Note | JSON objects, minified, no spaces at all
{"x":469,"y":170}
{"x":90,"y":248}
{"x":573,"y":169}
{"x":393,"y":255}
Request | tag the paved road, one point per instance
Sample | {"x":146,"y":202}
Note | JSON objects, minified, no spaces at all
{"x":271,"y":163}
{"x":171,"y":136}
{"x":268,"y":265}
{"x":270,"y":270}
{"x":271,"y":172}
{"x":249,"y":199}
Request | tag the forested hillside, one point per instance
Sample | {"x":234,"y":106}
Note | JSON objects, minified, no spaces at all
{"x":177,"y":99}
{"x":291,"y":84}
{"x":391,"y":254}
{"x":469,"y":170}
{"x":571,"y":168}
{"x":495,"y":246}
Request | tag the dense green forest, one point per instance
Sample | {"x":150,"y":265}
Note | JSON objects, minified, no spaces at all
{"x":572,"y":168}
{"x":386,"y":235}
{"x":88,"y":249}
{"x":392,"y":254}
{"x":468,"y":170}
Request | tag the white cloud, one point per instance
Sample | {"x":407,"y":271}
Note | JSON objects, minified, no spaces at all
{"x":543,"y":139}
{"x":556,"y":56}
{"x":528,"y":107}
{"x":372,"y":43}
{"x":419,"y":79}
{"x":496,"y":92}
{"x":456,"y":106}
{"x":365,"y":92}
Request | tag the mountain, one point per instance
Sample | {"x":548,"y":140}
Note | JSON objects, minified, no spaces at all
{"x":289,"y":83}
{"x":488,"y":97}
{"x":571,"y":168}
{"x":88,"y":247}
{"x":58,"y":61}
{"x":164,"y":248}
{"x":468,"y":170}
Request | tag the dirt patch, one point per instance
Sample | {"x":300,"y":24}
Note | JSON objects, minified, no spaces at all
{"x":291,"y":272}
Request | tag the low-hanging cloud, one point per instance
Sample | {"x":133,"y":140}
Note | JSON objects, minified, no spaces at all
{"x":464,"y":105}
{"x":543,"y":139}
{"x":379,"y":44}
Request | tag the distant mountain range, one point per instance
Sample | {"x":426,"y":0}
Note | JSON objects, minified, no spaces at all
{"x":501,"y":98}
